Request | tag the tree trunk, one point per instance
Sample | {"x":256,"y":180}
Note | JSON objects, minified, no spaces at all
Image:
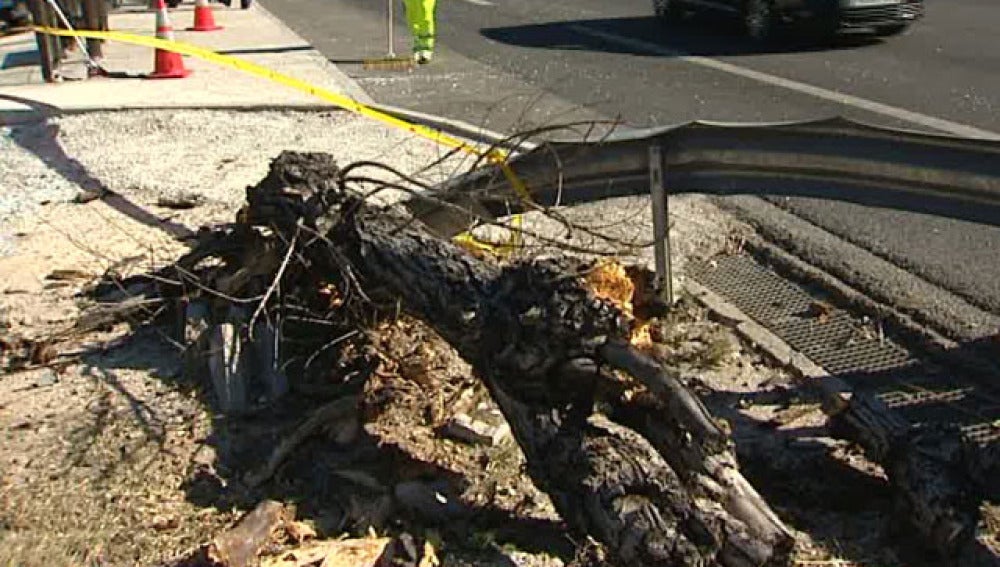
{"x":541,"y":342}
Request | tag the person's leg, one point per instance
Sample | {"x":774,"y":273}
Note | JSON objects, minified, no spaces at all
{"x":420,"y":15}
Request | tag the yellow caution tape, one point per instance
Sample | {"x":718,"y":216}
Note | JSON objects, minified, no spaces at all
{"x":496,"y":155}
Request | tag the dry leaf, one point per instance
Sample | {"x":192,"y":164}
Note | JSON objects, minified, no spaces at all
{"x":821,"y":311}
{"x":300,"y":531}
{"x":430,"y":558}
{"x":366,"y":552}
{"x":242,"y":543}
{"x":302,"y":557}
{"x":67,"y":275}
{"x":43,"y":353}
{"x":165,"y":523}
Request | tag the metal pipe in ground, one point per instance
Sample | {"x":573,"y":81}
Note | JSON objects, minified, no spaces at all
{"x":390,"y":49}
{"x":49,"y":47}
{"x":95,"y":14}
{"x":74,"y":8}
{"x":661,"y":223}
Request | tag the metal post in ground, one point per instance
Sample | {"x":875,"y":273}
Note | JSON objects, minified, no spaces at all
{"x":95,"y":13}
{"x":391,"y":50}
{"x":70,"y":16}
{"x":49,"y":46}
{"x":661,"y":223}
{"x":74,"y":9}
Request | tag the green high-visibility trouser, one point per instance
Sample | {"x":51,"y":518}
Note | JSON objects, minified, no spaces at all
{"x":420,"y":15}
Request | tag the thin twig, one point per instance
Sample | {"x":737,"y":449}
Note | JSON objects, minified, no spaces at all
{"x":343,"y":263}
{"x":274,"y":282}
{"x":561,"y":244}
{"x":374,"y":164}
{"x":329,"y":345}
{"x":326,"y":414}
{"x":193,"y":279}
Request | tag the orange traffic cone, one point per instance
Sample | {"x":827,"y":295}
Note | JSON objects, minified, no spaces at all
{"x":204,"y":20}
{"x":169,"y":65}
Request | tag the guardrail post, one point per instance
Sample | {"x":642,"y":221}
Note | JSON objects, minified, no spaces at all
{"x":661,"y":223}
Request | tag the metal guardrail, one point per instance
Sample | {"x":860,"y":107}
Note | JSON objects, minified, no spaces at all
{"x":836,"y":159}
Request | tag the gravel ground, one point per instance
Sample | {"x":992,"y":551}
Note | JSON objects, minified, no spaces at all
{"x":144,"y":155}
{"x":27,"y":180}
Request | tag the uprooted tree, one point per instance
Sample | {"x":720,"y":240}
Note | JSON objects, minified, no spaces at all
{"x":653,"y":478}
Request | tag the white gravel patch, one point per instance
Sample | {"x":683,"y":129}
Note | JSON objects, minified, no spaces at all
{"x":144,"y":155}
{"x":25,"y":179}
{"x":218,"y":153}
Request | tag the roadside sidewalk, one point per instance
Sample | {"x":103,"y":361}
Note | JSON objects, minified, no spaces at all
{"x":254,"y":35}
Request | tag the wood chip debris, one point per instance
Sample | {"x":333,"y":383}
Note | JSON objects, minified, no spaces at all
{"x":464,"y":427}
{"x":365,"y":552}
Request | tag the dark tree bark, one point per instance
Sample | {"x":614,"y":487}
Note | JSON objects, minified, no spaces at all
{"x":665,"y":491}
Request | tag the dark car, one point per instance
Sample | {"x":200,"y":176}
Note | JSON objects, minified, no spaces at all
{"x":820,"y":18}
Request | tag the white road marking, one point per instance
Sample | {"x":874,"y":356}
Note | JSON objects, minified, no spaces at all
{"x":939,"y":124}
{"x":480,"y":2}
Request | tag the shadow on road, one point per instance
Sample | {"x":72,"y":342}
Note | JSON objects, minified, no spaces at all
{"x":696,"y":35}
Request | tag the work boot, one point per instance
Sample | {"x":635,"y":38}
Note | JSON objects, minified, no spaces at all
{"x":423,"y":56}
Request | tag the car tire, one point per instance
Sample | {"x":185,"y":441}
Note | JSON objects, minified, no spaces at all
{"x":759,"y":20}
{"x":887,"y":31}
{"x":667,"y":10}
{"x":245,"y":4}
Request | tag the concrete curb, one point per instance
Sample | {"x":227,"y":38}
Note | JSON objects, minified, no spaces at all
{"x":471,"y":131}
{"x":457,"y":128}
{"x":312,"y":61}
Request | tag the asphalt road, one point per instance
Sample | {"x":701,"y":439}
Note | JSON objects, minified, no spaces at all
{"x":516,"y":64}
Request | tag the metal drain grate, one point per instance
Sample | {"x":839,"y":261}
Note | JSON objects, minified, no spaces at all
{"x":983,"y":434}
{"x":831,"y":339}
{"x":858,"y":354}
